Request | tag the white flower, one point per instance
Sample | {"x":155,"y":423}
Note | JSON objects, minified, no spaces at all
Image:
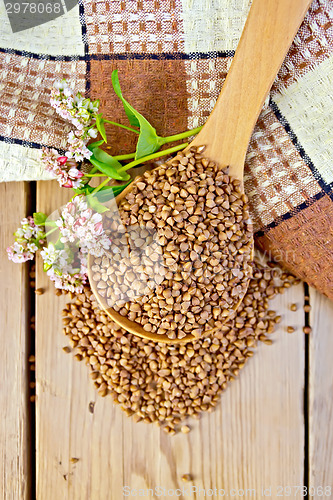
{"x":54,"y":257}
{"x":77,"y":148}
{"x":66,"y":267}
{"x":92,"y":132}
{"x":68,"y":93}
{"x":32,"y":247}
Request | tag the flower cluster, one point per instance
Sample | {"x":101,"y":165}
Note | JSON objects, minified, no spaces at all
{"x":62,"y":169}
{"x":80,"y":230}
{"x":77,"y":148}
{"x":80,"y":222}
{"x":66,"y":267}
{"x":78,"y":110}
{"x":28,"y":239}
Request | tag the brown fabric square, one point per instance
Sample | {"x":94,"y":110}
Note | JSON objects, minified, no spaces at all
{"x":25,"y":111}
{"x":304,"y":244}
{"x":157,"y":89}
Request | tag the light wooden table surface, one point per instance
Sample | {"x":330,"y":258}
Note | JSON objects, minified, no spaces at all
{"x":272,"y":429}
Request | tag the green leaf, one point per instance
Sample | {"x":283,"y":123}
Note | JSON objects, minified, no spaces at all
{"x":109,"y":192}
{"x":104,"y":157}
{"x":100,"y":126}
{"x":95,"y":144}
{"x":108,"y":166}
{"x":84,"y":190}
{"x":149,"y":142}
{"x":39,"y":218}
{"x":118,"y":189}
{"x":131,"y":113}
{"x":105,"y":194}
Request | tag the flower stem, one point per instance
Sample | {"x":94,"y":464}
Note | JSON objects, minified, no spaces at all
{"x":50,"y":232}
{"x":122,"y":126}
{"x":95,"y":175}
{"x":98,"y":188}
{"x":92,"y":171}
{"x":124,"y":157}
{"x":182,"y":135}
{"x":153,"y":156}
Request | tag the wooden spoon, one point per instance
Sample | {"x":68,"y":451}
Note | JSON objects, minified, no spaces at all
{"x":267,"y":35}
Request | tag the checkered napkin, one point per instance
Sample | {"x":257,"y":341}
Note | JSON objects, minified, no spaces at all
{"x":172,"y":57}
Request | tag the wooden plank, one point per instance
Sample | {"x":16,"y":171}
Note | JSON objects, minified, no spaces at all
{"x":14,"y":297}
{"x":66,"y":428}
{"x":253,"y":439}
{"x":320,"y":395}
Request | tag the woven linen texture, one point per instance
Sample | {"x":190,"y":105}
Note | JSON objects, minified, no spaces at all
{"x":120,"y":26}
{"x":172,"y":57}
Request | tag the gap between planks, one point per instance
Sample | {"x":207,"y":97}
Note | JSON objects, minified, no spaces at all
{"x":321,"y":395}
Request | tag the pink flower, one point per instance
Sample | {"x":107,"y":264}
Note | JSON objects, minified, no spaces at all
{"x":67,"y":178}
{"x":68,"y":184}
{"x":62,"y":160}
{"x":69,"y":282}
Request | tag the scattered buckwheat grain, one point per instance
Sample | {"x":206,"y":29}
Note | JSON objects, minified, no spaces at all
{"x":167,"y":383}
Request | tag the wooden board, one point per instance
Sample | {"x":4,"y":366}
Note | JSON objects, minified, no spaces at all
{"x":321,"y":395}
{"x":255,"y":438}
{"x":14,"y":296}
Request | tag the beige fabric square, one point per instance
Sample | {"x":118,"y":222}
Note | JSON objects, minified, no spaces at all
{"x":61,"y":36}
{"x":116,"y":26}
{"x":307,"y":106}
{"x":277,"y":179}
{"x":18,"y":163}
{"x":213,"y":25}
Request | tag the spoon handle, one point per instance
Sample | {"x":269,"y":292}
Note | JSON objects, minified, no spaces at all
{"x":268,"y":33}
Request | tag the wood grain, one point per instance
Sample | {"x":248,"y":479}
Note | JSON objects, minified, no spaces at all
{"x":320,"y":393}
{"x":253,"y":439}
{"x":14,"y":296}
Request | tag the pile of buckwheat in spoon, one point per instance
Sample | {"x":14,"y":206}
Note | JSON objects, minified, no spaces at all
{"x":191,"y":246}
